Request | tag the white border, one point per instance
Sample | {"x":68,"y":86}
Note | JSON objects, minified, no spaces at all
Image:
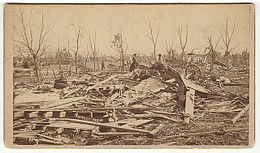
{"x":3,"y":149}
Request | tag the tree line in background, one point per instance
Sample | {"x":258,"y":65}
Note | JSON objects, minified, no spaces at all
{"x":33,"y":46}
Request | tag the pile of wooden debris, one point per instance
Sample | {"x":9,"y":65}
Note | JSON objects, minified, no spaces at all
{"x":114,"y":109}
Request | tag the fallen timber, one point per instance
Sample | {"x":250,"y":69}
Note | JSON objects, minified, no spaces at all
{"x":139,"y":114}
{"x":205,"y":133}
{"x":101,"y":124}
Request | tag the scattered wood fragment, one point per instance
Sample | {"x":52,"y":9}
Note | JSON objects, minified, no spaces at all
{"x":205,"y":133}
{"x":234,"y":120}
{"x":234,"y":84}
{"x":117,"y":133}
{"x":63,"y":102}
{"x":157,"y":129}
{"x":152,"y":115}
{"x":102,"y":124}
{"x":165,"y":113}
{"x":88,"y":88}
{"x":47,"y":141}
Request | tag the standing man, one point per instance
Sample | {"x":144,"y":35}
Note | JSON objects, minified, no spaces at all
{"x":134,"y":64}
{"x":160,"y":58}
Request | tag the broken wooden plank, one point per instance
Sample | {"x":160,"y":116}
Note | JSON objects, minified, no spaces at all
{"x":204,"y":133}
{"x":102,"y":124}
{"x":70,"y":125}
{"x":152,"y":115}
{"x":165,"y":113}
{"x":157,"y":129}
{"x":59,"y":114}
{"x":189,"y":84}
{"x":63,"y":102}
{"x":240,"y":114}
{"x":88,"y":88}
{"x":30,"y":114}
{"x":234,"y":84}
{"x":168,"y":118}
{"x":131,"y":122}
{"x":189,"y":105}
{"x":47,"y":141}
{"x":117,"y":133}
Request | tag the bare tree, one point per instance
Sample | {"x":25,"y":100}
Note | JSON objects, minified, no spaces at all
{"x":227,"y":33}
{"x":212,"y":51}
{"x":169,"y":49}
{"x":119,"y":44}
{"x":33,"y":41}
{"x":183,"y":43}
{"x":92,"y":43}
{"x":153,"y":36}
{"x":87,"y":55}
{"x":76,"y":52}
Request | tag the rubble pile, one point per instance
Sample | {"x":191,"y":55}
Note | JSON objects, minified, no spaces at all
{"x":111,"y":108}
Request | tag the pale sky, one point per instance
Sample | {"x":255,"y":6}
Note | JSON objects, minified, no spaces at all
{"x":203,"y":21}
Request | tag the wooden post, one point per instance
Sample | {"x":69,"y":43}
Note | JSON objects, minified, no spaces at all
{"x":53,"y":73}
{"x":189,"y":105}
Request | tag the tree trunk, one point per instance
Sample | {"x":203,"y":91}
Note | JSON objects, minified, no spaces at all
{"x":94,"y":64}
{"x":76,"y":63}
{"x":85,"y":63}
{"x":154,"y":53}
{"x":211,"y":60}
{"x":172,"y":56}
{"x":123,"y":63}
{"x":182,"y":60}
{"x":36,"y":69}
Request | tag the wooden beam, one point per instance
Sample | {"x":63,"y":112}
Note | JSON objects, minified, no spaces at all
{"x":102,"y":124}
{"x":189,"y":105}
{"x":240,"y":114}
{"x":157,"y":129}
{"x":117,"y":133}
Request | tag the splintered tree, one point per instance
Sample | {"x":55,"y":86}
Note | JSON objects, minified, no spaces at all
{"x":212,"y":50}
{"x":119,"y":44}
{"x":227,"y":33}
{"x":92,"y":43}
{"x":153,"y":36}
{"x":183,"y":43}
{"x":33,"y":38}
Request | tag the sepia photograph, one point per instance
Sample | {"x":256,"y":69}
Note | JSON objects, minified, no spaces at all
{"x":129,"y":75}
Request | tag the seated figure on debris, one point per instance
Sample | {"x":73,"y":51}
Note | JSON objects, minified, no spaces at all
{"x":158,"y":65}
{"x":61,"y":82}
{"x":134,"y":64}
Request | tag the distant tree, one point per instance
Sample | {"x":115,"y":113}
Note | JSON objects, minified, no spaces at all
{"x":183,"y":43}
{"x":119,"y":44}
{"x":93,"y":47}
{"x":169,"y":49}
{"x":63,"y":57}
{"x":77,"y":51}
{"x":153,"y":36}
{"x":33,"y":37}
{"x":212,"y":51}
{"x":227,"y":34}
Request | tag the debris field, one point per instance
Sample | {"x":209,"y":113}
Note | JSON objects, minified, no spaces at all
{"x":121,"y":108}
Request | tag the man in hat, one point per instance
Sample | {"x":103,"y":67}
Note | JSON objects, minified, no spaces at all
{"x":134,"y":64}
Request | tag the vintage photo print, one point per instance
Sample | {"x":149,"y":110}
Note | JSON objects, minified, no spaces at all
{"x":129,"y":75}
